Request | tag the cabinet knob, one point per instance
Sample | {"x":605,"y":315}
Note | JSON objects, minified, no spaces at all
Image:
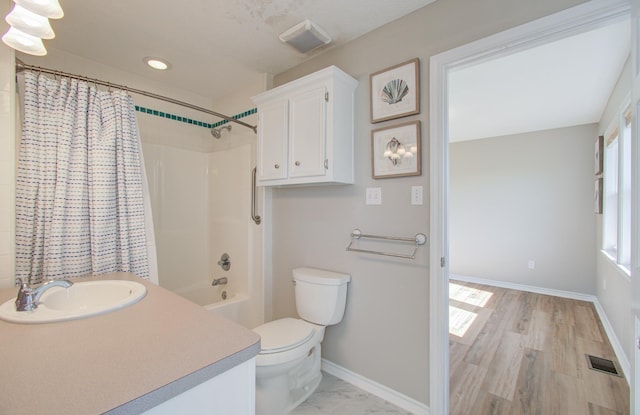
{"x":297,"y":163}
{"x":277,"y":166}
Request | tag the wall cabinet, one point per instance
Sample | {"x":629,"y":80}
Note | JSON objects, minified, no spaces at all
{"x":305,"y":130}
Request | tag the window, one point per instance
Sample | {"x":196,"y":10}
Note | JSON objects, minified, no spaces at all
{"x":616,"y":222}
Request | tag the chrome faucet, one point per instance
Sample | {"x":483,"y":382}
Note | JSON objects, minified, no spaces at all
{"x":219,"y":281}
{"x":28,"y":298}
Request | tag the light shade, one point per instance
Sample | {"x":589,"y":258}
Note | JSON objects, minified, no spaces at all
{"x":305,"y":36}
{"x":24,"y":42}
{"x":30,"y":23}
{"x":46,"y":8}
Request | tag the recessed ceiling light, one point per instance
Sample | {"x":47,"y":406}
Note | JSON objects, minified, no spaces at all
{"x":157,"y":63}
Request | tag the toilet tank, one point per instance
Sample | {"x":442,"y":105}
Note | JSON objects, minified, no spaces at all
{"x":321,"y":295}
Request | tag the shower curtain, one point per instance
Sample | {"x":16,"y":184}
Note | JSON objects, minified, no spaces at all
{"x":80,"y":203}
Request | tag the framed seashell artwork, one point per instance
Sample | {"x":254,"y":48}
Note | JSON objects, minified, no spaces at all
{"x":395,"y":91}
{"x":598,"y":155}
{"x":395,"y":151}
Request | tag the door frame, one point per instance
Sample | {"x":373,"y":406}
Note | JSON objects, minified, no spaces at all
{"x":578,"y":19}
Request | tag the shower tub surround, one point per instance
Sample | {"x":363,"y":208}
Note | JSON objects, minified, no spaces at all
{"x":151,"y":356}
{"x":201,"y":210}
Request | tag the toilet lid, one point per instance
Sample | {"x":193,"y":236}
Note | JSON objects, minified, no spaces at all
{"x":283,"y":334}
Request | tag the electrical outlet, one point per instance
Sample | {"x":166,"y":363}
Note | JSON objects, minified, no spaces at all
{"x":374,"y":196}
{"x":531,"y":264}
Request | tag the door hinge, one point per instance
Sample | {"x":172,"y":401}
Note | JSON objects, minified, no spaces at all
{"x":326,"y":164}
{"x":442,"y":262}
{"x":326,"y":96}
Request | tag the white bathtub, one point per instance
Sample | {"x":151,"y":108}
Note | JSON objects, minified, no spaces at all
{"x":235,"y":308}
{"x":204,"y":294}
{"x":221,"y":300}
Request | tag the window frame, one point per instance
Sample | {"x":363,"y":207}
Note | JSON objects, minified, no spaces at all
{"x":616,"y":215}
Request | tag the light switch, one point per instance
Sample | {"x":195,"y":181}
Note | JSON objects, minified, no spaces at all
{"x":374,"y":196}
{"x":416,"y":195}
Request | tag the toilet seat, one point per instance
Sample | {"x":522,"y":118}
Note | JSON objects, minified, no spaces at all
{"x":285,"y":334}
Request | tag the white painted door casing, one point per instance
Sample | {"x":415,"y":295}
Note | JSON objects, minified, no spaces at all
{"x":635,"y":205}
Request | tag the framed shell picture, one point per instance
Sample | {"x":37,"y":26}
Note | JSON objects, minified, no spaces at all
{"x":395,"y":91}
{"x":597,"y":196}
{"x":395,"y":151}
{"x":599,"y":155}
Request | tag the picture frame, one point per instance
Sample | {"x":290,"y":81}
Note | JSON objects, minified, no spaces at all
{"x":396,"y":151}
{"x":599,"y":155}
{"x":395,"y":91}
{"x":597,"y":196}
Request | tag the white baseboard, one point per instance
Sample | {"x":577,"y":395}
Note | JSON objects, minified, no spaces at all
{"x":523,"y":287}
{"x":613,"y":339}
{"x":617,"y":347}
{"x":374,"y":388}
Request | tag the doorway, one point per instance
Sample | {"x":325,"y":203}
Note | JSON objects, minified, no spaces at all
{"x":560,"y":25}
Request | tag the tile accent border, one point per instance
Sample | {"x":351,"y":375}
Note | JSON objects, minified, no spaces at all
{"x":396,"y":398}
{"x":186,"y":120}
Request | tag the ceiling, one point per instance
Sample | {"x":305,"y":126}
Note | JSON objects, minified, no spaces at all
{"x":214,"y":46}
{"x":218,"y":46}
{"x":558,"y":84}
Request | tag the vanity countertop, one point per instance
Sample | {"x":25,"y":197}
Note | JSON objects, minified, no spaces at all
{"x":123,"y":362}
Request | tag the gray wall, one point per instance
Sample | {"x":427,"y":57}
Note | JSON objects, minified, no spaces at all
{"x":614,"y":286}
{"x":525,"y":197}
{"x":384,"y":335}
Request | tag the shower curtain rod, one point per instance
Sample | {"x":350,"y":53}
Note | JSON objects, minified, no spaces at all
{"x":21,"y":66}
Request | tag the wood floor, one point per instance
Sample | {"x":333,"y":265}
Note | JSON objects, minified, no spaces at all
{"x":525,"y":353}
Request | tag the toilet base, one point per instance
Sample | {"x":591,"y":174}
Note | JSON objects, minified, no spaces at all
{"x":280,"y":394}
{"x":300,"y":395}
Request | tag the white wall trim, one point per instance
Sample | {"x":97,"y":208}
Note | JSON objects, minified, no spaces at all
{"x":613,"y":339}
{"x":375,"y":388}
{"x":524,"y":287}
{"x":625,"y":364}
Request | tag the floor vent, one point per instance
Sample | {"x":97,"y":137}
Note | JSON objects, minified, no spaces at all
{"x":603,"y":365}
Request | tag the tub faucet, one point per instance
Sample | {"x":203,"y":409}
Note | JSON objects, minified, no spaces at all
{"x":28,"y":298}
{"x":219,"y":281}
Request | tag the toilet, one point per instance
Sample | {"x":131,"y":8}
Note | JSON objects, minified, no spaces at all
{"x":288,"y":365}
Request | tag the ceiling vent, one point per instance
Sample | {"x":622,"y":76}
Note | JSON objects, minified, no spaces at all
{"x":305,"y":36}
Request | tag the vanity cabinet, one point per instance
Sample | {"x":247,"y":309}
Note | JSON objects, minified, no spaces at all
{"x":305,"y":131}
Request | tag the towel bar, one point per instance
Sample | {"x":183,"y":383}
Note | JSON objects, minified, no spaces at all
{"x":419,"y":239}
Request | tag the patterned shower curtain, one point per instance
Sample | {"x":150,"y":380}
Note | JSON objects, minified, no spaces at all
{"x":79,"y":192}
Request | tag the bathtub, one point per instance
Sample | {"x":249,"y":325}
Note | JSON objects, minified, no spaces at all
{"x":220,"y":299}
{"x":204,"y":294}
{"x":235,"y":308}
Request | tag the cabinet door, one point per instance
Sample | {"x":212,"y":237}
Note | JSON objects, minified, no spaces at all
{"x":307,"y":133}
{"x":272,"y":140}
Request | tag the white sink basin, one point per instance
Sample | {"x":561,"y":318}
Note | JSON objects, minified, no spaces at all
{"x":82,"y":299}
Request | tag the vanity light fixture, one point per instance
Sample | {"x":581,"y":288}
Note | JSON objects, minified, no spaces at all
{"x":24,"y":42}
{"x":29,"y":20}
{"x":47,"y":8}
{"x":30,"y":23}
{"x":157,"y":63}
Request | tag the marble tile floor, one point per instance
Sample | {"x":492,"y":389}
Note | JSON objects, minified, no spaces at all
{"x":334,"y":396}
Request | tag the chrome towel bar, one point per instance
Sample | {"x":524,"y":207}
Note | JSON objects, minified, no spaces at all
{"x":419,"y":239}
